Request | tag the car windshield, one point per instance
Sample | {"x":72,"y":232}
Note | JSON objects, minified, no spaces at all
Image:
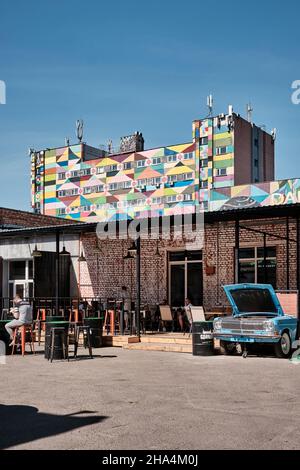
{"x":253,"y":300}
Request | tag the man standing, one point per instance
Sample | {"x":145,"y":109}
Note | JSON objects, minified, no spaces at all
{"x":22,"y":312}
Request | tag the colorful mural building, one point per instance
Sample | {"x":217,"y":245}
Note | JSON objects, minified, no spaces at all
{"x":84,"y":183}
{"x":251,"y":230}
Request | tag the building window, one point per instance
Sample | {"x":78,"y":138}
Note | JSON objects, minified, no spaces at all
{"x":127,"y":165}
{"x":204,"y":141}
{"x":156,"y":161}
{"x":171,"y":199}
{"x":172,"y":158}
{"x":141,"y":183}
{"x":67,"y":192}
{"x":203,"y":163}
{"x":185,"y":278}
{"x":221,"y":172}
{"x":100,"y":169}
{"x":156,"y":200}
{"x":74,"y":174}
{"x":221,"y":150}
{"x":203,"y":184}
{"x":141,"y":163}
{"x":62,"y":211}
{"x":188,"y":156}
{"x":61,"y":176}
{"x":251,"y":265}
{"x":187,"y":197}
{"x":85,"y":172}
{"x":21,"y":278}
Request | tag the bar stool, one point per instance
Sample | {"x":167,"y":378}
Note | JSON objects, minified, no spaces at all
{"x":85,"y":330}
{"x":58,"y":332}
{"x":25,"y":329}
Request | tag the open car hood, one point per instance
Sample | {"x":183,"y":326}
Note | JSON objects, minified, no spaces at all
{"x":253,"y":299}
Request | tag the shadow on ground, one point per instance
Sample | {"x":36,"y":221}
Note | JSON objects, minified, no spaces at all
{"x":21,"y":424}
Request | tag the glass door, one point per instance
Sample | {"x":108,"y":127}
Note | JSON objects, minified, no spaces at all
{"x":185,"y":278}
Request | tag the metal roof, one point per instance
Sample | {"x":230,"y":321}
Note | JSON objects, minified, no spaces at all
{"x":289,"y":210}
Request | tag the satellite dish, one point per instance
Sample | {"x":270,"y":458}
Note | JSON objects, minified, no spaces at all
{"x":79,"y":129}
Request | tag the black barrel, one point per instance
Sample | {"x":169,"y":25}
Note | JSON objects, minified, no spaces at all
{"x":55,"y":322}
{"x":203,"y":343}
{"x":96,"y":327}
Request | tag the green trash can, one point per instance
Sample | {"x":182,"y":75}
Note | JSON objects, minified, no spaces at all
{"x":203,"y":342}
{"x":96,"y":327}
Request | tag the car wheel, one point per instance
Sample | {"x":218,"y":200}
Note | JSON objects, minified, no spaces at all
{"x":283,"y":347}
{"x":227,"y":348}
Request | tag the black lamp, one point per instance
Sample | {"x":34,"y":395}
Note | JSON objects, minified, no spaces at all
{"x":132,"y":250}
{"x":64,"y":252}
{"x":36,"y":253}
{"x":81,"y":258}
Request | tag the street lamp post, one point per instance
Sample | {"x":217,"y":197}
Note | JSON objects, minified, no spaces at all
{"x":138,"y":286}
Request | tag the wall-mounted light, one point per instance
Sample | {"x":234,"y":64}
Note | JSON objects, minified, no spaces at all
{"x":81,"y":258}
{"x":36,"y":253}
{"x":132,"y":250}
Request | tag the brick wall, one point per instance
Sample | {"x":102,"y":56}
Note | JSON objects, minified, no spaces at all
{"x":105,"y":271}
{"x":29,"y":219}
{"x":219,"y":252}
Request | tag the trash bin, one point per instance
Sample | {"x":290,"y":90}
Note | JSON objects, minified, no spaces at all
{"x":59,"y":322}
{"x":96,"y":326}
{"x":203,"y":342}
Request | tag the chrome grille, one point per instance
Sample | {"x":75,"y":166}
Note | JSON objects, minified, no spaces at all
{"x":242,"y":326}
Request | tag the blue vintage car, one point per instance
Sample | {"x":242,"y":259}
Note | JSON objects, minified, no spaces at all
{"x":257,"y":318}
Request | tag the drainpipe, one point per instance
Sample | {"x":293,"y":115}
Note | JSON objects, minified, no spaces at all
{"x":57,"y":274}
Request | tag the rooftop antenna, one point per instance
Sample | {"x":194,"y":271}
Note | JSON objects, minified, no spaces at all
{"x":274,"y":134}
{"x":249,"y":112}
{"x":210,"y":103}
{"x":110,"y":146}
{"x":79,"y":129}
{"x":67,"y":141}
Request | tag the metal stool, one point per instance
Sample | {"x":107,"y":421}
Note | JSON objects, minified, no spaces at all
{"x":25,"y":329}
{"x":85,"y":330}
{"x":61,"y":333}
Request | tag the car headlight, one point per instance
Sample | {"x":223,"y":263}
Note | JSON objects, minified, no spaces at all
{"x":269,"y":326}
{"x":217,"y":324}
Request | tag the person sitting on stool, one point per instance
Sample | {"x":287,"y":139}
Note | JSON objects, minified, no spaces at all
{"x":22,"y":312}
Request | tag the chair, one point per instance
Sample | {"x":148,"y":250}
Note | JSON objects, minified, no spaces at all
{"x":166,"y":315}
{"x":85,"y":330}
{"x":61,"y":334}
{"x":4,"y":314}
{"x":197,"y":314}
{"x":25,"y":330}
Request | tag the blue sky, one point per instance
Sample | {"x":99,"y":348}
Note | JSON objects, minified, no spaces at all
{"x":137,"y":65}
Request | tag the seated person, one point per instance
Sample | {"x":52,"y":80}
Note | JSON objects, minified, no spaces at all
{"x":188,"y":313}
{"x":22,"y":313}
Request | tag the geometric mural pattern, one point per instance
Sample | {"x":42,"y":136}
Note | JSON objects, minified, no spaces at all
{"x":76,"y":182}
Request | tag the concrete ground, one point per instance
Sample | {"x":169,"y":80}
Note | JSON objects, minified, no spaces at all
{"x":149,"y":400}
